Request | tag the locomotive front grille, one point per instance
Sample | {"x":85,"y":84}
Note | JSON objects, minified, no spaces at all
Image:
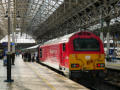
{"x":86,"y":61}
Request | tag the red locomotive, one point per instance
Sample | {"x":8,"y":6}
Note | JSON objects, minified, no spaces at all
{"x":74,"y":53}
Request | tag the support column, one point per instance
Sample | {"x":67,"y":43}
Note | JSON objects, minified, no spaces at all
{"x":76,"y":2}
{"x":101,"y":36}
{"x":108,"y":36}
{"x":9,"y":49}
{"x":69,"y":3}
{"x":9,"y":26}
{"x":114,"y":45}
{"x":13,"y":40}
{"x":108,"y":42}
{"x":101,"y":22}
{"x":14,"y":28}
{"x":101,"y":33}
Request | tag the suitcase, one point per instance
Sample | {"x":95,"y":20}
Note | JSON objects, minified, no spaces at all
{"x":5,"y":62}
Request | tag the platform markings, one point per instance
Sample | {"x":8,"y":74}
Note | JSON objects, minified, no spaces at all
{"x":58,"y":75}
{"x":46,"y":81}
{"x":68,"y":81}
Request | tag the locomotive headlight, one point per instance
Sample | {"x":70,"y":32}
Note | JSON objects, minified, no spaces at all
{"x":75,"y":65}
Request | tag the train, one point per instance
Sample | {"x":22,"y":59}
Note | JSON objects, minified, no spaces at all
{"x":31,"y":52}
{"x":74,"y":54}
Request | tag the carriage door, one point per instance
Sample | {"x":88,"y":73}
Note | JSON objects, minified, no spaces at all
{"x":40,"y":53}
{"x":63,"y":54}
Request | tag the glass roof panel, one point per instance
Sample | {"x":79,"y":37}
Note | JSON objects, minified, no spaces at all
{"x":39,"y":10}
{"x":42,"y":10}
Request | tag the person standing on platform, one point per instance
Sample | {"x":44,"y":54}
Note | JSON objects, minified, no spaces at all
{"x":33,"y":57}
{"x":29,"y":57}
{"x":5,"y":57}
{"x":13,"y":58}
{"x":22,"y":55}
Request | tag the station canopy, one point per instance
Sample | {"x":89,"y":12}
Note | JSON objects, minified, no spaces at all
{"x":23,"y":12}
{"x":47,"y":19}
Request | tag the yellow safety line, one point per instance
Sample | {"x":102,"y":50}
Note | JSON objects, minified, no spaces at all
{"x":46,"y":81}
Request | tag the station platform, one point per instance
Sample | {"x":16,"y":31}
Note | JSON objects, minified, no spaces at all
{"x":33,"y":76}
{"x":113,"y":65}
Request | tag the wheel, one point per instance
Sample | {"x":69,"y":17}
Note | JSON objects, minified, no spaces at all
{"x":101,"y":74}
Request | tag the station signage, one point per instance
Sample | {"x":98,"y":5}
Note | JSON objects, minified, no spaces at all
{"x":6,"y":43}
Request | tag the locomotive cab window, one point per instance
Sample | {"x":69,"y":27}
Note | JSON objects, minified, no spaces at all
{"x":64,"y":47}
{"x":40,"y":53}
{"x":86,"y":44}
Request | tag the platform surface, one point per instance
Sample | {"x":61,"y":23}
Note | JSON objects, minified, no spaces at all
{"x":113,"y":65}
{"x":33,"y":76}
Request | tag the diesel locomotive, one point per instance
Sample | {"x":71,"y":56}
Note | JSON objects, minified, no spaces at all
{"x":74,"y":53}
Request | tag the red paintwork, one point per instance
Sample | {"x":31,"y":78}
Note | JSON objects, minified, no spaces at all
{"x":54,"y":54}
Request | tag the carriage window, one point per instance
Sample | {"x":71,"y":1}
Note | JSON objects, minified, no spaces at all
{"x":64,"y":47}
{"x":86,"y":44}
{"x":40,"y":53}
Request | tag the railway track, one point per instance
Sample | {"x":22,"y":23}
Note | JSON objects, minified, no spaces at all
{"x":113,"y":77}
{"x":98,"y":84}
{"x":110,"y":82}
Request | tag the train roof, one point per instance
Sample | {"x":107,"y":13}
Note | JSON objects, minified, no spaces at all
{"x":33,"y":47}
{"x":62,"y":39}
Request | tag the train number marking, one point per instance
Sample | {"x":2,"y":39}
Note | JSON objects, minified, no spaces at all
{"x":87,"y":57}
{"x":89,"y":62}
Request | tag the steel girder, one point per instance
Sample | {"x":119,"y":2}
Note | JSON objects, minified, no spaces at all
{"x":74,"y":15}
{"x":46,"y":8}
{"x":46,"y":19}
{"x":31,"y":12}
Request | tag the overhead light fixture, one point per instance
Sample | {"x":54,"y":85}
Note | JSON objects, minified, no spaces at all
{"x":18,"y":15}
{"x":17,"y":26}
{"x":116,"y":21}
{"x":6,"y":14}
{"x":18,"y":29}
